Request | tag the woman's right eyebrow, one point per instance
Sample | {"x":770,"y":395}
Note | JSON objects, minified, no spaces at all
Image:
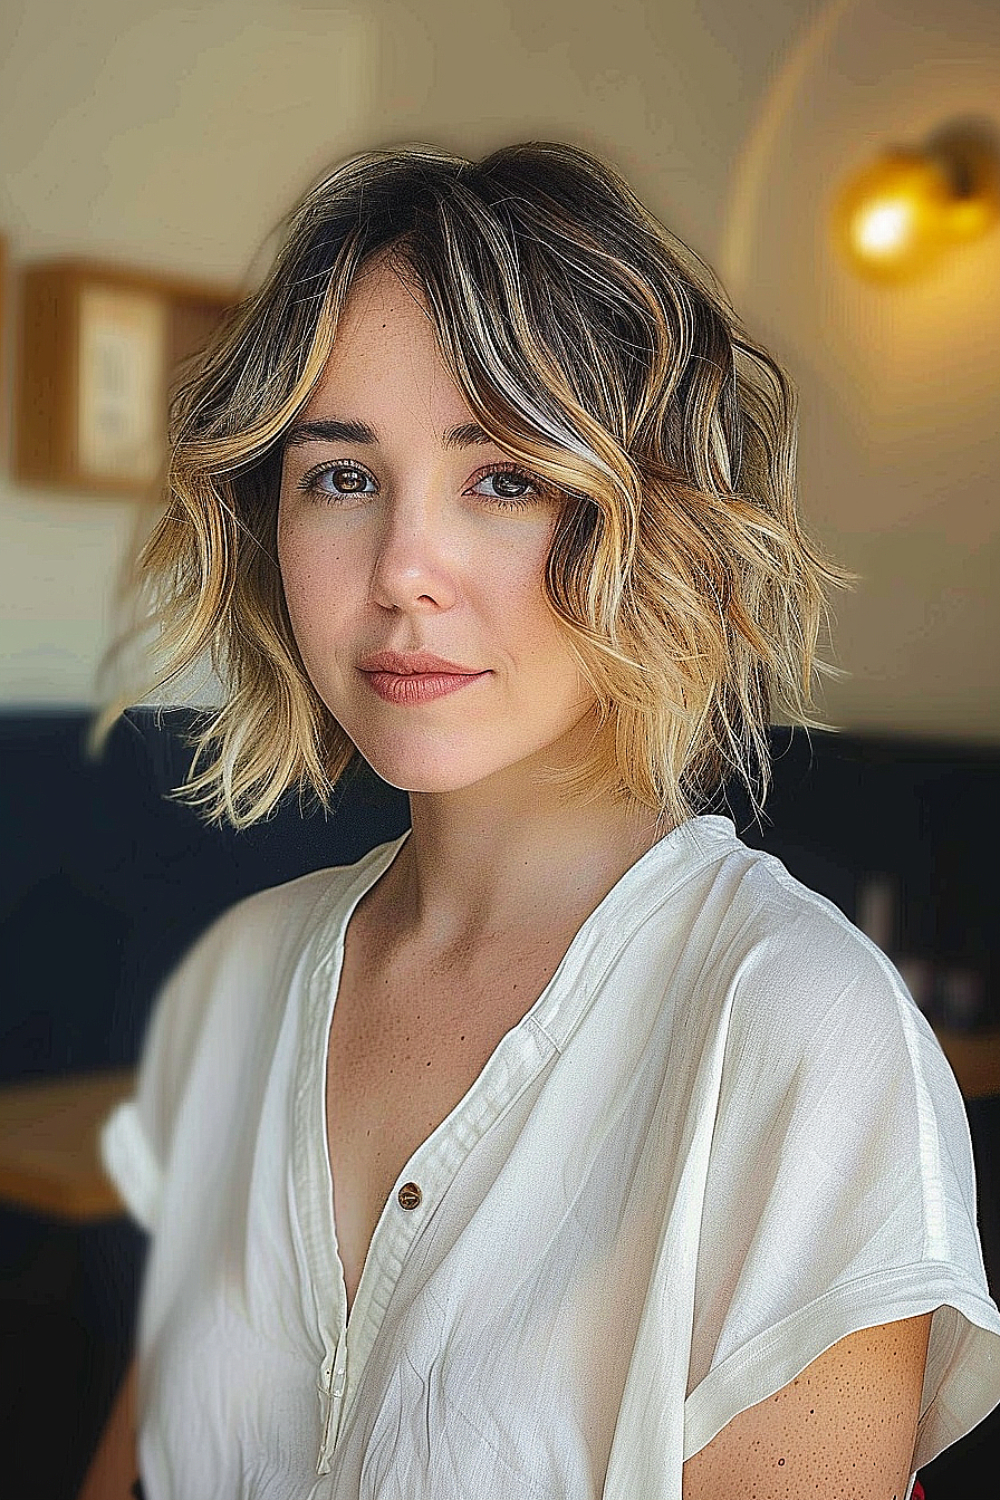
{"x":330,"y":430}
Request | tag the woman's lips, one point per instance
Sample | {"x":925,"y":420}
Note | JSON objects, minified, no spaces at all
{"x":419,"y":687}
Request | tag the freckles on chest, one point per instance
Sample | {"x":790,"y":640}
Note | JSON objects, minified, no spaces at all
{"x":405,"y":1050}
{"x":411,"y":1047}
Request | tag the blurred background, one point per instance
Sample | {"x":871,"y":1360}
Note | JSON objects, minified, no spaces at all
{"x":834,"y":162}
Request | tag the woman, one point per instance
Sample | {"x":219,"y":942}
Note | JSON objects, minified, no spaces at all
{"x":564,"y":1146}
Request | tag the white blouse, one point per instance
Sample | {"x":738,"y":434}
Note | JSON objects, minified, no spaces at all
{"x":721,"y":1139}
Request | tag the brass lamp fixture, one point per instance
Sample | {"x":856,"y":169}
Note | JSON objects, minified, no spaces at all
{"x":901,"y":214}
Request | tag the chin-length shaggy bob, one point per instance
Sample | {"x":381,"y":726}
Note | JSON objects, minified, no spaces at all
{"x":594,"y":348}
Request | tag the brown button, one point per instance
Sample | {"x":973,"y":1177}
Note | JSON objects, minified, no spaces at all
{"x":409,"y":1195}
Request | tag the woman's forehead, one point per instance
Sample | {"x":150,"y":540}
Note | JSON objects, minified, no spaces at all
{"x":383,"y":287}
{"x":385,"y":356}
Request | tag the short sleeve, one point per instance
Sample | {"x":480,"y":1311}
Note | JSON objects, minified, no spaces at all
{"x":134,"y":1140}
{"x":840,"y":1191}
{"x":131,"y":1164}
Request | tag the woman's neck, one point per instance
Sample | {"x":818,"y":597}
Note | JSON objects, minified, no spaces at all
{"x":469,"y":877}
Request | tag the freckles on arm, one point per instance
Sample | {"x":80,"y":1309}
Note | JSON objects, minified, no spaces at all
{"x":846,"y":1426}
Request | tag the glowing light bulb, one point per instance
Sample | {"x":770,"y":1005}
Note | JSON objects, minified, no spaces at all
{"x":883,"y":227}
{"x":891,"y":215}
{"x":897,"y":216}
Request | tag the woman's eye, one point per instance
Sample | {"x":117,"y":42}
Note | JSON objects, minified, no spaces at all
{"x":347,"y":479}
{"x":508,"y":488}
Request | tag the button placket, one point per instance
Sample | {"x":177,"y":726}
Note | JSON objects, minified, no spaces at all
{"x":334,"y":1384}
{"x":437,"y":1161}
{"x":334,"y":1389}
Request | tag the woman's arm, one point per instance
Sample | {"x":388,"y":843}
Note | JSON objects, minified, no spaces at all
{"x":114,"y":1467}
{"x":846,"y":1426}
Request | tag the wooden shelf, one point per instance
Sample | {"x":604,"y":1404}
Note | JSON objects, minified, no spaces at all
{"x":974,"y":1058}
{"x":49,"y":1161}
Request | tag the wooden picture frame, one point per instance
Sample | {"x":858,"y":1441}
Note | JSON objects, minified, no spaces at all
{"x":97,"y":347}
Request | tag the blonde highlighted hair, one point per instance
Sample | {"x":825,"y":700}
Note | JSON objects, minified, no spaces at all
{"x":597,"y":350}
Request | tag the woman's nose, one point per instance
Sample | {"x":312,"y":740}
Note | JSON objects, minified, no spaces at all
{"x":415,"y":560}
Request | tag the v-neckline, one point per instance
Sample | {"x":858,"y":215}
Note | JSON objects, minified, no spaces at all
{"x":551,"y":1019}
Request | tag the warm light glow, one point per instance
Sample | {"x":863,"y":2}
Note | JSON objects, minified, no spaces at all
{"x":883,"y":227}
{"x":897,"y":216}
{"x":891,"y":215}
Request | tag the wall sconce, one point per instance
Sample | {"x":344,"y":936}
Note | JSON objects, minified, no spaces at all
{"x":897,"y":217}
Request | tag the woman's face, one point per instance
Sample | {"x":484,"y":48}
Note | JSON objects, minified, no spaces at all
{"x":403,"y":540}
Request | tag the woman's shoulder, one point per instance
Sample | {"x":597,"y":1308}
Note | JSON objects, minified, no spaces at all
{"x":303,"y":901}
{"x":269,"y":930}
{"x":792,"y":966}
{"x":230,"y":981}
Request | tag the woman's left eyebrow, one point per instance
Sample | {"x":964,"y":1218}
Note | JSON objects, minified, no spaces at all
{"x":329,"y":430}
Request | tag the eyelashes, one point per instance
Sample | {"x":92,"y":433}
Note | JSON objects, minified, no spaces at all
{"x":310,"y":484}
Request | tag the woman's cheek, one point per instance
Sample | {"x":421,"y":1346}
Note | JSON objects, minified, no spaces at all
{"x":312,"y":578}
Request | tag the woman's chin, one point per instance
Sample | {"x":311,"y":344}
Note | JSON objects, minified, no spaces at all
{"x":421,"y":774}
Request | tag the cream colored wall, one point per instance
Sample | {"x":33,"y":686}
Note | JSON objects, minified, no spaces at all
{"x":900,"y":391}
{"x":176,"y":136}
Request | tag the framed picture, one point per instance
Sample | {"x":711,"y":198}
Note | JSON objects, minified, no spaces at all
{"x":121,"y":400}
{"x":98,"y":345}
